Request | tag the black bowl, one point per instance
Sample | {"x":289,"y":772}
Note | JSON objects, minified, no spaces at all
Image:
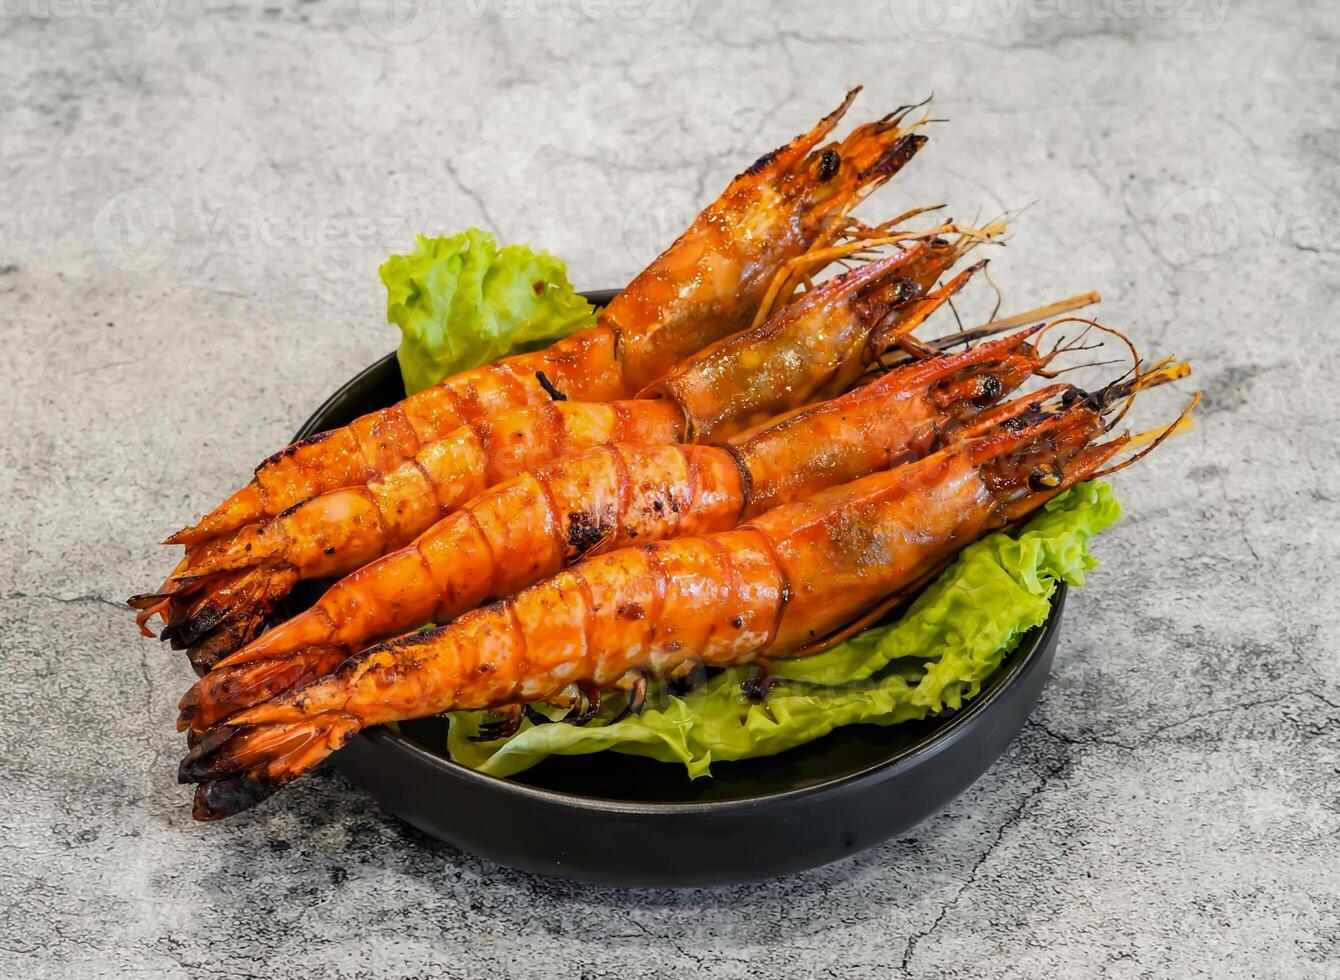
{"x":615,"y":818}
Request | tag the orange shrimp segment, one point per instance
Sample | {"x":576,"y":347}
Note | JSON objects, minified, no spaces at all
{"x":820,"y":343}
{"x":768,"y":588}
{"x":533,"y":525}
{"x":841,"y":549}
{"x":897,"y":418}
{"x":706,"y":285}
{"x":238,"y":579}
{"x":339,"y":531}
{"x":815,"y":346}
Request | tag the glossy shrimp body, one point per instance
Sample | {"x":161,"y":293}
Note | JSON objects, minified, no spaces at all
{"x":822,"y":341}
{"x":339,"y":531}
{"x":231,"y":584}
{"x":819,"y":342}
{"x":814,"y":347}
{"x":708,"y":284}
{"x":767,"y":588}
{"x":532,"y":526}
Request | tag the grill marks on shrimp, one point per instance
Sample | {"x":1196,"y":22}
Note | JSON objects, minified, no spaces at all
{"x":621,"y":494}
{"x":767,"y":588}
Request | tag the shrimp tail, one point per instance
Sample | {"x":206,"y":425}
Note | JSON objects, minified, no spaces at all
{"x":147,"y":606}
{"x":242,"y":508}
{"x":238,"y":766}
{"x":221,"y":798}
{"x":230,"y":614}
{"x":230,"y":688}
{"x":255,"y":544}
{"x":151,"y":604}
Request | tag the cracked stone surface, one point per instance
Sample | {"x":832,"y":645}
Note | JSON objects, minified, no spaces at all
{"x":195,"y":199}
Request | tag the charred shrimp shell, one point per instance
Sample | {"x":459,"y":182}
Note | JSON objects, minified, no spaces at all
{"x":616,"y":819}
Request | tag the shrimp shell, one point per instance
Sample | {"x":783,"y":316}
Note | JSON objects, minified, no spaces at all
{"x":765,"y":589}
{"x":533,"y":525}
{"x":704,"y":286}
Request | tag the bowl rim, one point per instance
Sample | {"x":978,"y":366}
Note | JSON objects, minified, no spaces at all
{"x":1009,"y":673}
{"x":1018,"y":661}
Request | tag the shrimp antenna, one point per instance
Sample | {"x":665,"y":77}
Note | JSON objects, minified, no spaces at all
{"x":1088,"y":326}
{"x":885,"y":227}
{"x":957,"y":319}
{"x":1034,"y":315}
{"x":1165,"y":371}
{"x":1154,"y":437}
{"x":1065,"y":345}
{"x":1095,"y":325}
{"x":903,"y":111}
{"x":1078,"y":367}
{"x":1000,"y":296}
{"x":897,"y":116}
{"x":975,"y":234}
{"x":1005,"y":219}
{"x":1075,"y":346}
{"x":799,"y":268}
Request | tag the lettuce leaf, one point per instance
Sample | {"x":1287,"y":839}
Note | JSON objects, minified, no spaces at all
{"x":936,"y":656}
{"x":461,"y":301}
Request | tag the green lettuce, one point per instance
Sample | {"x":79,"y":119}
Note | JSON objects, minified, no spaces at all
{"x":934,"y":657}
{"x":462,"y":301}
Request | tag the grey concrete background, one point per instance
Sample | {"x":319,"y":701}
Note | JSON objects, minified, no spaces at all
{"x":193,"y":201}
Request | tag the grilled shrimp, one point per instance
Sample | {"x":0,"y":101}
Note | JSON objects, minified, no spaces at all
{"x":708,"y":284}
{"x":531,"y":526}
{"x":340,"y":530}
{"x":818,"y":343}
{"x":769,"y":588}
{"x":796,"y":356}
